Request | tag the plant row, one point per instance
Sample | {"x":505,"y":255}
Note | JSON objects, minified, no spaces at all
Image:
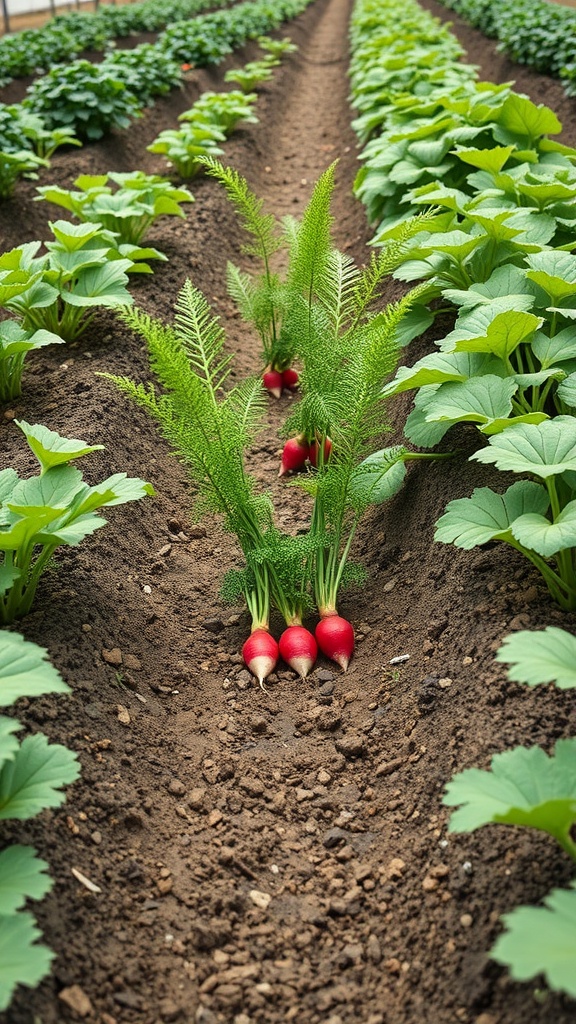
{"x":81,"y":101}
{"x":491,"y":199}
{"x":66,"y":35}
{"x":533,"y":32}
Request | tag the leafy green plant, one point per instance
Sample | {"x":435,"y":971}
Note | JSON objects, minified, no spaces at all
{"x":60,"y":291}
{"x":43,"y":512}
{"x":184,"y":148}
{"x":83,"y":98}
{"x":15,"y":343}
{"x":252,"y":75}
{"x":223,"y":109}
{"x":129,"y":210}
{"x":535,"y":518}
{"x":276,"y":47}
{"x":146,"y":71}
{"x":32,"y":774}
{"x":25,"y":145}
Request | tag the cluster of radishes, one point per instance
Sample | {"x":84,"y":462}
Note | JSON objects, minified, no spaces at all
{"x":275,"y":381}
{"x":299,"y":450}
{"x":298,"y":647}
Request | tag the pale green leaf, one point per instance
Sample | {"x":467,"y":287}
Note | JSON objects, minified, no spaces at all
{"x":540,"y":656}
{"x":539,"y":534}
{"x":541,"y":940}
{"x":22,"y":877}
{"x":486,"y":516}
{"x":523,"y":787}
{"x":25,"y":670}
{"x":50,"y":448}
{"x":544,"y":449}
{"x":22,"y":962}
{"x":32,"y":780}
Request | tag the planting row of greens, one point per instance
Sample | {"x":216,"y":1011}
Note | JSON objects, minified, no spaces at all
{"x":55,"y":295}
{"x":80,"y":101}
{"x":500,"y":208}
{"x":533,"y":32}
{"x":471,"y":165}
{"x":66,"y":35}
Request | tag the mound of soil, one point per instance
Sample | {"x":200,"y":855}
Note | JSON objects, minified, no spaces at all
{"x":267,"y":857}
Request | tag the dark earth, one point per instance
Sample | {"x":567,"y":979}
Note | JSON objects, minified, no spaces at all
{"x":200,"y":792}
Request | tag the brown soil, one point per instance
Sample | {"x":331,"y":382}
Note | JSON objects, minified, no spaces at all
{"x":324,"y":795}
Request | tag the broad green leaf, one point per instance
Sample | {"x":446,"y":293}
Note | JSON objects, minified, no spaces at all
{"x":50,"y":448}
{"x":32,"y":780}
{"x":101,"y":286}
{"x":497,"y":425}
{"x":25,"y":670}
{"x":8,"y":480}
{"x":508,"y":281}
{"x":523,"y":787}
{"x":477,"y":400}
{"x":541,"y":940}
{"x":22,"y":961}
{"x":71,"y":533}
{"x":558,"y":349}
{"x":474,"y":323}
{"x":518,"y":116}
{"x":21,"y":877}
{"x":503,"y":335}
{"x":51,"y":492}
{"x":544,"y":449}
{"x":115,"y":490}
{"x":8,"y":576}
{"x":539,"y":534}
{"x":436,"y":368}
{"x":74,"y":236}
{"x":553,"y":271}
{"x":414,"y":322}
{"x":567,"y":391}
{"x":486,"y":159}
{"x":8,"y":742}
{"x":486,"y":515}
{"x":379,"y":477}
{"x":540,"y":656}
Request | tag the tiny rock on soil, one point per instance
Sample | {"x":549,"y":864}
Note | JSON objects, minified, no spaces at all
{"x":268,"y":857}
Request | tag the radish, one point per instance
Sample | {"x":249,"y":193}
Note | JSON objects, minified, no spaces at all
{"x":299,"y":649}
{"x":294,"y":454}
{"x":335,"y":637}
{"x":290,"y":378}
{"x":314,"y":452}
{"x":272,"y":380}
{"x":260,"y":654}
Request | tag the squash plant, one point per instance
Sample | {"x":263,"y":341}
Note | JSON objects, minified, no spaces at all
{"x":129,"y":209}
{"x":32,"y":775}
{"x":40,"y":513}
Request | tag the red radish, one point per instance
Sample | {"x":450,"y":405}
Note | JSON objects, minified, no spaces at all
{"x":294,"y":454}
{"x":314,"y":452}
{"x":290,"y":378}
{"x":335,"y":637}
{"x":299,"y":649}
{"x":273,"y":382}
{"x":260,"y":653}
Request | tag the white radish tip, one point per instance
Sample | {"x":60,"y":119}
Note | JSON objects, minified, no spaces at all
{"x":341,"y":659}
{"x":277,"y":392}
{"x":261,"y":667}
{"x":301,"y":665}
{"x":282,"y":471}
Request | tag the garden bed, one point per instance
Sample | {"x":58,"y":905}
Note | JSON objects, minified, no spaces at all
{"x":198,"y":788}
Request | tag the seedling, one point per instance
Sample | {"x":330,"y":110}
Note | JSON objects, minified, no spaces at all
{"x":43,"y":512}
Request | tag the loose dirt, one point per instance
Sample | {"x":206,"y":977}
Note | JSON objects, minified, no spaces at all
{"x":280,"y":856}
